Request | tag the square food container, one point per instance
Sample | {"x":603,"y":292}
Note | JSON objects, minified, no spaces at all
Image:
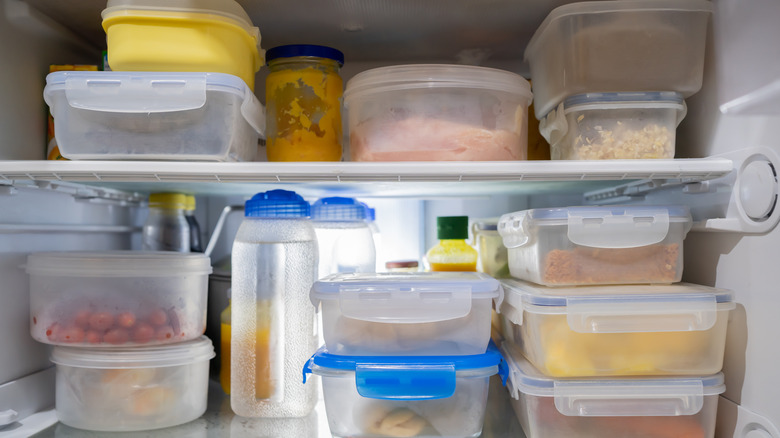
{"x":607,"y":46}
{"x":182,"y":35}
{"x":108,"y":115}
{"x":406,"y":314}
{"x":117,"y":298}
{"x":596,"y":244}
{"x":405,"y":396}
{"x":130,"y":389}
{"x":604,"y":126}
{"x":431,"y":112}
{"x":637,"y":407}
{"x":588,"y":331}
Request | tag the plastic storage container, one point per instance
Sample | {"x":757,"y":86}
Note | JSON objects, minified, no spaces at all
{"x":680,"y":407}
{"x":405,"y":396}
{"x":586,"y":331}
{"x":412,"y":314}
{"x":167,"y":227}
{"x":431,"y":112}
{"x":631,"y":45}
{"x":181,"y":35}
{"x":129,"y":389}
{"x":154,"y":116}
{"x":493,"y":259}
{"x":344,"y":237}
{"x":602,"y":126}
{"x":117,"y":298}
{"x":596,"y":245}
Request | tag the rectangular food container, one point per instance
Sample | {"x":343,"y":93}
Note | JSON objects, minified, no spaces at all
{"x":637,"y":407}
{"x":405,"y":396}
{"x":406,"y":314}
{"x":605,"y":126}
{"x":154,"y":116}
{"x":607,"y":46}
{"x":432,"y":112}
{"x":117,"y":298}
{"x":588,"y":331}
{"x":492,"y":252}
{"x":130,"y":389}
{"x":181,"y":35}
{"x":596,"y":244}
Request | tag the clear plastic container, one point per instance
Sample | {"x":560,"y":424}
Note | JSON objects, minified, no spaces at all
{"x":344,"y":237}
{"x":606,"y":46}
{"x":597,"y":244}
{"x":604,"y":126}
{"x":182,"y":35}
{"x":167,"y":227}
{"x":396,"y":314}
{"x":430,"y":112}
{"x":623,"y":330}
{"x":432,"y":396}
{"x":117,"y":298}
{"x":129,"y":389}
{"x":109,"y":115}
{"x":493,"y":259}
{"x":633,"y":407}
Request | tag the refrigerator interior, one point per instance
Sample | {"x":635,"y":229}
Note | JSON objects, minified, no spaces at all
{"x":727,"y":149}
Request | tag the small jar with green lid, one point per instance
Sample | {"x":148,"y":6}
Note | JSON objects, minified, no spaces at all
{"x":452,"y":253}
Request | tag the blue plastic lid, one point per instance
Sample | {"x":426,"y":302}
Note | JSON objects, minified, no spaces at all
{"x":371,"y":213}
{"x":408,"y":377}
{"x":622,"y":97}
{"x":339,"y":209}
{"x":277,"y":203}
{"x":294,"y":50}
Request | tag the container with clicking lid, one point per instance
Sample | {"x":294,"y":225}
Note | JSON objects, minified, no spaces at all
{"x":406,"y":314}
{"x":607,"y":126}
{"x":630,"y":407}
{"x":130,"y":389}
{"x":591,"y":245}
{"x":618,"y":330}
{"x":117,"y":298}
{"x":405,"y":396}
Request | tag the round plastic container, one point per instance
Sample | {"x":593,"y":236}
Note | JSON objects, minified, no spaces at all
{"x":117,"y":298}
{"x":344,"y":237}
{"x":432,"y":112}
{"x":129,"y":389}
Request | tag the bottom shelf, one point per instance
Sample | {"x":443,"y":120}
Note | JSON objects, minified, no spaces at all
{"x":219,"y":421}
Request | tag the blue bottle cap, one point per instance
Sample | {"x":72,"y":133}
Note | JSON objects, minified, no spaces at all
{"x":277,"y":203}
{"x":338,"y":209}
{"x":294,"y":50}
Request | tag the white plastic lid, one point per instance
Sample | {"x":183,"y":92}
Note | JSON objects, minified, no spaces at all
{"x":620,"y":308}
{"x":405,"y":77}
{"x":117,"y":264}
{"x":182,"y":353}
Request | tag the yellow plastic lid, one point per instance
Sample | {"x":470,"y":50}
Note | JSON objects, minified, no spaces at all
{"x":168,"y":200}
{"x":190,"y":203}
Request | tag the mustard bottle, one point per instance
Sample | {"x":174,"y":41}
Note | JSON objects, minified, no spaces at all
{"x":452,"y":253}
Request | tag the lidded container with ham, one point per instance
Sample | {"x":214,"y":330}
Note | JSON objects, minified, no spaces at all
{"x":437,"y":112}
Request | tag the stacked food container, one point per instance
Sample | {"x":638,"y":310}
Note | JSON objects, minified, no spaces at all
{"x":601,"y":336}
{"x":127,"y":329}
{"x":181,"y":86}
{"x":406,"y":354}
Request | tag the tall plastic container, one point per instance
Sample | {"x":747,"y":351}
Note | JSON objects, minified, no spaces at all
{"x":452,"y":253}
{"x":274,"y":262}
{"x":166,"y":228}
{"x":346,"y":244}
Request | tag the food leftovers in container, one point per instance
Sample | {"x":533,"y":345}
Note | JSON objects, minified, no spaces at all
{"x":405,"y":396}
{"x":596,"y":244}
{"x":117,"y":298}
{"x":629,"y":407}
{"x":437,"y":112}
{"x":406,"y":314}
{"x":618,"y":330}
{"x":607,"y":126}
{"x":129,"y":389}
{"x":493,"y":259}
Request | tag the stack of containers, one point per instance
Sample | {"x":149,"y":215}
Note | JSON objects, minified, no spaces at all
{"x":406,"y":354}
{"x":601,"y":335}
{"x":127,"y":329}
{"x":181,"y":86}
{"x":610,"y":78}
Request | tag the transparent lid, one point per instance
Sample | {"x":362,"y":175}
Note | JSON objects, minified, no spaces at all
{"x":182,"y":353}
{"x":117,"y":264}
{"x":229,"y":9}
{"x":664,"y":99}
{"x":338,"y":209}
{"x":277,"y":204}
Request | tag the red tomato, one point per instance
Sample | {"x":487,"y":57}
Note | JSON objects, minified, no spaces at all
{"x":53,"y":332}
{"x":72,"y":334}
{"x":93,"y":337}
{"x":82,"y":319}
{"x":143,"y":333}
{"x":116,"y":336}
{"x":126,"y":319}
{"x":158,"y":317}
{"x":101,"y":321}
{"x":164,"y":333}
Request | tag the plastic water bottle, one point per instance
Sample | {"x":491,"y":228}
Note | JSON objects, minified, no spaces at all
{"x":345,"y":241}
{"x":166,"y":228}
{"x":274,"y":264}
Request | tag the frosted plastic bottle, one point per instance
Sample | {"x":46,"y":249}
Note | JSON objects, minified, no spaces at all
{"x":273,"y":330}
{"x":452,"y":253}
{"x":189,"y":215}
{"x":346,"y":244}
{"x":166,"y":228}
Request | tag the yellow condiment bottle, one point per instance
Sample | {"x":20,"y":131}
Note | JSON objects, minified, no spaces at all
{"x":303,"y":103}
{"x":452,"y":253}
